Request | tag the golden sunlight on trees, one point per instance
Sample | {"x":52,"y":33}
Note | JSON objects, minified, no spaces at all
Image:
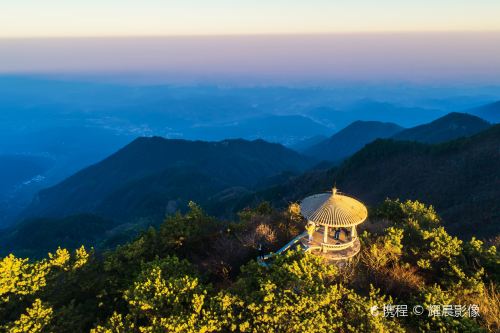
{"x":163,"y":281}
{"x":36,"y":318}
{"x":22,"y":281}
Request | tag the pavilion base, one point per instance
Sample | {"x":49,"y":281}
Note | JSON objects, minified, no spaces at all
{"x":352,"y":247}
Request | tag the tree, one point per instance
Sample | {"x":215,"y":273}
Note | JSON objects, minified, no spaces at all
{"x":35,"y":320}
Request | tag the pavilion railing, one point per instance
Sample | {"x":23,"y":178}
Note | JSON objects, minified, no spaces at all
{"x":339,"y":247}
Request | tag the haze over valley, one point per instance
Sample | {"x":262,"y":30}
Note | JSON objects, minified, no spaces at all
{"x":74,"y":123}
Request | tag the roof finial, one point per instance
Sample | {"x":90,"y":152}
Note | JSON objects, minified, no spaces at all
{"x":334,"y":190}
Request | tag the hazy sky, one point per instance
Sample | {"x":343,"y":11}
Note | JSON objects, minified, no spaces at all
{"x":35,"y":18}
{"x":419,"y":57}
{"x":262,"y":40}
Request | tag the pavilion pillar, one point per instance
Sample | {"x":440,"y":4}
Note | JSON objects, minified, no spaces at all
{"x":353,"y":232}
{"x":325,"y":234}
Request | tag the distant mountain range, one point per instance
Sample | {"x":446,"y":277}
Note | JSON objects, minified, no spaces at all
{"x":350,"y":139}
{"x":460,"y":178}
{"x":42,"y":158}
{"x":373,"y":110}
{"x":489,"y":112}
{"x":287,"y":130}
{"x":453,"y":125}
{"x":308,"y":143}
{"x":155,"y":176}
{"x":76,"y":123}
{"x":152,"y":177}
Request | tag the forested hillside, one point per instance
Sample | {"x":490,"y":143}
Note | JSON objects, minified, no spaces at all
{"x":35,"y":237}
{"x":154,"y":176}
{"x":197,"y":274}
{"x":460,"y":178}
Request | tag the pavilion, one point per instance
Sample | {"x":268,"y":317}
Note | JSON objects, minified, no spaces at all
{"x":334,"y":236}
{"x":335,"y":217}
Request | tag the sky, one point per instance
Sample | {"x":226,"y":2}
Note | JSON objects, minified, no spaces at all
{"x":471,"y":58}
{"x":70,"y":18}
{"x":256,"y":40}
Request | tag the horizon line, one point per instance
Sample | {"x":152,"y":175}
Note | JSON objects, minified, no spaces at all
{"x":258,"y":34}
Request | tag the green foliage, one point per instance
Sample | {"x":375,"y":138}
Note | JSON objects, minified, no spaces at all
{"x":298,"y":293}
{"x":179,"y":229}
{"x":446,"y":270}
{"x":178,"y":234}
{"x":400,"y":213}
{"x":19,"y":277}
{"x":294,"y":270}
{"x":166,"y":299}
{"x":35,"y":237}
{"x":148,"y":285}
{"x":264,"y":208}
{"x":23,"y":282}
{"x":385,"y":249}
{"x":35,"y":320}
{"x":434,"y":295}
{"x":478,"y":255}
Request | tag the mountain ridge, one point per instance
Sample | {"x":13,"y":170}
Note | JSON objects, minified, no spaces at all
{"x":459,"y":177}
{"x":489,"y":112}
{"x":228,"y":162}
{"x":351,"y":138}
{"x":449,"y":127}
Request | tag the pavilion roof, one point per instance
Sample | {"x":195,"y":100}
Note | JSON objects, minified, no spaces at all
{"x":333,"y":209}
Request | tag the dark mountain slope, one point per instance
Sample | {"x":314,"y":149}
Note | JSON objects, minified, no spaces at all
{"x":460,"y":178}
{"x":161,"y":194}
{"x":350,"y":139}
{"x":490,"y":112}
{"x":156,"y":169}
{"x":452,"y":126}
{"x":34,"y":237}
